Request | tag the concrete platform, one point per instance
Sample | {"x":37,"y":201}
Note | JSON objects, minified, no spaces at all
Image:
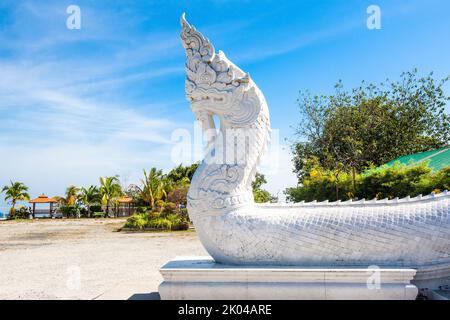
{"x":201,"y":278}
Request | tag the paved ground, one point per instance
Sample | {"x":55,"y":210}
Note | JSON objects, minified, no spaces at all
{"x":85,"y":259}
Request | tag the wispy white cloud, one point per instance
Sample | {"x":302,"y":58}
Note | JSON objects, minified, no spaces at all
{"x":55,"y":139}
{"x":68,"y":117}
{"x":63,"y":115}
{"x":56,"y":125}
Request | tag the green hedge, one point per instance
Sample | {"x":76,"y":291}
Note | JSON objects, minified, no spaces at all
{"x":383,"y":182}
{"x":142,"y":221}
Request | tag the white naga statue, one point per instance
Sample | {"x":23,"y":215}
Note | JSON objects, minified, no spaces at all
{"x":409,"y":232}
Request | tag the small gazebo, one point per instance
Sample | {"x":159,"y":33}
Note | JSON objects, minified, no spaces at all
{"x":43,"y":199}
{"x":125,"y":204}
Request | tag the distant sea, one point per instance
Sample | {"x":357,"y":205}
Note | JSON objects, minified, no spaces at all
{"x":3,"y":212}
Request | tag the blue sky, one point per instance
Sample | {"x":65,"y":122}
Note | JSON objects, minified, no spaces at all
{"x":105,"y":99}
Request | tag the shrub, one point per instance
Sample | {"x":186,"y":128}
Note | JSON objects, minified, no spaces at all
{"x":99,"y":214}
{"x":169,"y":208}
{"x":174,"y":218}
{"x":184,"y":214}
{"x":96,"y":208}
{"x":153,"y":214}
{"x":22,"y":213}
{"x":178,"y":222}
{"x":70,"y":211}
{"x":396,"y":181}
{"x":140,"y":210}
{"x":159,"y":205}
{"x":137,"y":221}
{"x":178,"y":195}
{"x":159,"y":223}
{"x":155,"y":221}
{"x":83,"y":212}
{"x":183,"y":225}
{"x":441,"y":180}
{"x":384,"y":182}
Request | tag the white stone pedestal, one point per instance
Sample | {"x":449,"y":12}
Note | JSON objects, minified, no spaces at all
{"x":201,"y":278}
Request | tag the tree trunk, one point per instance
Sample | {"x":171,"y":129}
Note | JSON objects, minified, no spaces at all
{"x":337,"y":192}
{"x":12,"y":211}
{"x":354,"y":180}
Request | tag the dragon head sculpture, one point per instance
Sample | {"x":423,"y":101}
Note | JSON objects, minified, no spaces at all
{"x":215,"y":86}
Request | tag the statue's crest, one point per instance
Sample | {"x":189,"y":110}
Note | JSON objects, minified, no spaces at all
{"x":214,"y":85}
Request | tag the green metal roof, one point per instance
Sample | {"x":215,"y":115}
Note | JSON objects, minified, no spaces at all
{"x":438,"y":158}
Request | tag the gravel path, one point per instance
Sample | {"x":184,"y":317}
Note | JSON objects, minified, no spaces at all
{"x":85,"y":259}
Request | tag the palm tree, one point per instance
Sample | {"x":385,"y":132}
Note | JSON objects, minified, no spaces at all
{"x":153,"y":186}
{"x":89,"y":196}
{"x":17,"y":191}
{"x":70,"y":196}
{"x":109,"y":189}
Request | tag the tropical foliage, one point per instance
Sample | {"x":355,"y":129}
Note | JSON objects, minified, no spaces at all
{"x":164,"y":197}
{"x":14,"y":192}
{"x":157,"y":221}
{"x":384,"y":182}
{"x":110,"y":190}
{"x":70,"y":197}
{"x":88,"y":197}
{"x":71,"y":211}
{"x":158,"y":194}
{"x":154,"y":187}
{"x":22,"y":213}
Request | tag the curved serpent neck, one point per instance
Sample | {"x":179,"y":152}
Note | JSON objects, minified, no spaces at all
{"x":217,"y":87}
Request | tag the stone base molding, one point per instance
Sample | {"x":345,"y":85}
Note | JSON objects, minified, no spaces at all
{"x":201,"y":278}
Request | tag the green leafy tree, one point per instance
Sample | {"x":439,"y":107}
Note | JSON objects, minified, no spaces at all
{"x":70,"y":196}
{"x":371,"y":124}
{"x":14,"y":192}
{"x":260,"y":195}
{"x":182,"y":175}
{"x":110,"y":189}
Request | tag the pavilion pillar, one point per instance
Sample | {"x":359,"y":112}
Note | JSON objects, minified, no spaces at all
{"x":51,"y":209}
{"x":34,"y":209}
